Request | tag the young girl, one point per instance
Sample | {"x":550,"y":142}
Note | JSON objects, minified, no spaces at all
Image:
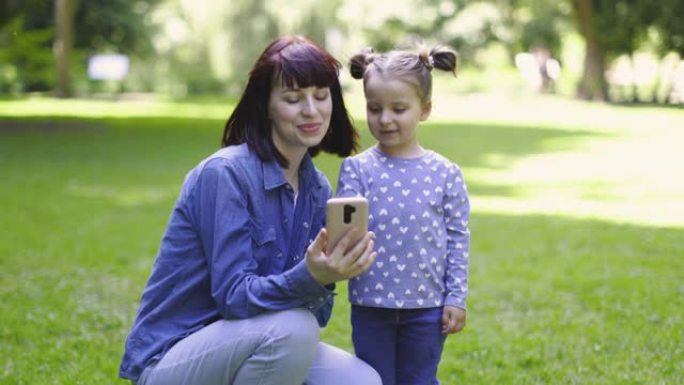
{"x":415,"y":293}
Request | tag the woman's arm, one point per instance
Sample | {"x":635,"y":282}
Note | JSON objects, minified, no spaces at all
{"x":221,"y":216}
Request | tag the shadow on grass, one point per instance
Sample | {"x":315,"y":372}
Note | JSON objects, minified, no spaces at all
{"x":174,"y":145}
{"x":473,"y":145}
{"x":470,"y":145}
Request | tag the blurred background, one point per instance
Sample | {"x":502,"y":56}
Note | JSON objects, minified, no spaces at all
{"x":626,"y":51}
{"x":566,"y":118}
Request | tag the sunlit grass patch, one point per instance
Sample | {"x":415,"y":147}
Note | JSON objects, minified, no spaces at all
{"x":152,"y":106}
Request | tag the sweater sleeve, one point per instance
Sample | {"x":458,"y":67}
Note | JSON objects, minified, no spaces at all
{"x":349,"y":183}
{"x":457,"y":214}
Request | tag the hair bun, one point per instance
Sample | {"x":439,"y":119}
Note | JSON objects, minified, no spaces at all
{"x":359,"y":62}
{"x":443,"y":58}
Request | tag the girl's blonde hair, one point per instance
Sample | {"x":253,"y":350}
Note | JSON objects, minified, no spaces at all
{"x":412,"y":67}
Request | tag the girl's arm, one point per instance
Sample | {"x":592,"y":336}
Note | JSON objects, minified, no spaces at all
{"x":349,"y":182}
{"x":456,"y":217}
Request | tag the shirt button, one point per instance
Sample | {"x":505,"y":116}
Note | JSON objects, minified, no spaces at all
{"x":280,"y":255}
{"x":306,"y":225}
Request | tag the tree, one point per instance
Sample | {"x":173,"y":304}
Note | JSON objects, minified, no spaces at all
{"x":64,"y":40}
{"x":593,"y":84}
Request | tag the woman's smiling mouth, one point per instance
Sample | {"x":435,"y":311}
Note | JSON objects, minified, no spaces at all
{"x":309,"y":127}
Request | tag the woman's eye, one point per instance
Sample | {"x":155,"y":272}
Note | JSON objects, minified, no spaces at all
{"x":292,"y":100}
{"x":399,"y":110}
{"x":322,"y":96}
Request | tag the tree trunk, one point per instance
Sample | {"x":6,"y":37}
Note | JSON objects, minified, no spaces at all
{"x":64,"y":40}
{"x":593,"y":85}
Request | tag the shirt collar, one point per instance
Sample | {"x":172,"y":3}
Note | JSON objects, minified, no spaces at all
{"x":274,"y":176}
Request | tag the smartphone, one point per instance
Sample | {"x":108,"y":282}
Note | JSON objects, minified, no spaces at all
{"x":341,"y":215}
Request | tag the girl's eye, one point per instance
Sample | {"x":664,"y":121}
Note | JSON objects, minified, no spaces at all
{"x":373,"y":110}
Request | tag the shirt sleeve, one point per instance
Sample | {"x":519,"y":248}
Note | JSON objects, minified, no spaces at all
{"x":223,"y":221}
{"x":349,"y":181}
{"x":457,"y":215}
{"x":324,"y":310}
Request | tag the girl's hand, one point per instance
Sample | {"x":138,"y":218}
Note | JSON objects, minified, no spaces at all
{"x":453,"y":319}
{"x":338,"y":265}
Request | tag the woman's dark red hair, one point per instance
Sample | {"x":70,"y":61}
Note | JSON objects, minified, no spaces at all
{"x":292,"y":60}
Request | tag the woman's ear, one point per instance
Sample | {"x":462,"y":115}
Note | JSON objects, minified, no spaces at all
{"x":426,"y":109}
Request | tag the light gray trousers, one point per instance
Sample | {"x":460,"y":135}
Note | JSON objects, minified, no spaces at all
{"x":279,"y":348}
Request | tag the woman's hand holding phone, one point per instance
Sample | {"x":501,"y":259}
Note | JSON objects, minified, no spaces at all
{"x":344,"y":261}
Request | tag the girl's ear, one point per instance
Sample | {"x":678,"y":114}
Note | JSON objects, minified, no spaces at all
{"x":426,"y":109}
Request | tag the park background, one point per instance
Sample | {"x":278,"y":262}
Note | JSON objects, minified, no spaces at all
{"x":575,"y":179}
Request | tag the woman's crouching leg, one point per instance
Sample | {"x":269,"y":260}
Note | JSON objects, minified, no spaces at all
{"x":285,"y":354}
{"x":334,"y":366}
{"x":272,"y":348}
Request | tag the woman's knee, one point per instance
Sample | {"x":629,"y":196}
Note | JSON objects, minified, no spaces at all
{"x":365,"y":374}
{"x":298,"y":328}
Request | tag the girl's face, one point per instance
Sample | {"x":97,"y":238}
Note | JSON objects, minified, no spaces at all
{"x":300,"y":118}
{"x":394,"y":111}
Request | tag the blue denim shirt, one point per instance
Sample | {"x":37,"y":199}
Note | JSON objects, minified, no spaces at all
{"x":234,"y":247}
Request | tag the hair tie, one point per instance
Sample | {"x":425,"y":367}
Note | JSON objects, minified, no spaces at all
{"x":428,"y":61}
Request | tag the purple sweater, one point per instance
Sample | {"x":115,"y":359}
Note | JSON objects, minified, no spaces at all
{"x":419,"y":211}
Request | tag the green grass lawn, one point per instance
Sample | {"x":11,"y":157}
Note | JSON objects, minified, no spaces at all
{"x":577,"y":272}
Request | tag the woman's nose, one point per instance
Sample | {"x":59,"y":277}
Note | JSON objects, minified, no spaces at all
{"x":309,"y":107}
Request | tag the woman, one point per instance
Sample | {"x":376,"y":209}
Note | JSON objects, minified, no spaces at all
{"x":241,"y":283}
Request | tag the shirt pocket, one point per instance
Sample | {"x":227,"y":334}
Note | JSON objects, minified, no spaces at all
{"x":264,"y":247}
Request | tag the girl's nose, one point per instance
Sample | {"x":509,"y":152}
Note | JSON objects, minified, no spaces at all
{"x":385,"y":117}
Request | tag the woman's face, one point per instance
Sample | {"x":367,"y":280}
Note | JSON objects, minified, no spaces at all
{"x":300,"y":117}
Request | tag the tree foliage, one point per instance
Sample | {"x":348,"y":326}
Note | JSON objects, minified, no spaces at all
{"x":208,"y":45}
{"x":115,"y":25}
{"x":668,"y":21}
{"x":28,"y":32}
{"x":25,"y":64}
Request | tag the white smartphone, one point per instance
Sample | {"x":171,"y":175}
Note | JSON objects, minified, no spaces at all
{"x":341,"y":215}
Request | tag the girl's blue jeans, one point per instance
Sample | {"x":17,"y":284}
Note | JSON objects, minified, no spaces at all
{"x":278,"y":348}
{"x":404,"y":346}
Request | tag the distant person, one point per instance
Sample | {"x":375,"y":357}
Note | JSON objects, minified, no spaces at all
{"x":548,"y":67}
{"x":539,"y":69}
{"x":414,"y":295}
{"x":241,"y":283}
